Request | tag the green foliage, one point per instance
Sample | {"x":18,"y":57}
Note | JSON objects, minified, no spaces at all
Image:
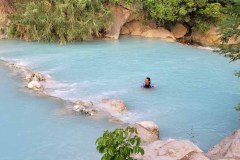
{"x":198,"y":14}
{"x":119,"y":144}
{"x":230,"y":30}
{"x":62,"y":20}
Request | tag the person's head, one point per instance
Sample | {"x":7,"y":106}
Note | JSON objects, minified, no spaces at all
{"x":147,"y":81}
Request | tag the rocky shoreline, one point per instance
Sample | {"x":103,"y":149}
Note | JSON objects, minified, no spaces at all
{"x":37,"y":82}
{"x":127,"y":22}
{"x":171,"y":149}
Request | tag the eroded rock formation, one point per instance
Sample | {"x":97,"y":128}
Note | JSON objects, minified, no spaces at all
{"x":211,"y":37}
{"x":148,"y":131}
{"x":113,"y":105}
{"x":171,"y":150}
{"x":179,"y":30}
{"x":137,"y":28}
{"x":227,"y":149}
{"x":120,"y":17}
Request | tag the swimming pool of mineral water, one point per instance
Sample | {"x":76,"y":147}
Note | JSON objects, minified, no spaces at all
{"x":195,"y":89}
{"x":41,"y":128}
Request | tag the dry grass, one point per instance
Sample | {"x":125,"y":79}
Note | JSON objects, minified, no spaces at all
{"x":5,"y":7}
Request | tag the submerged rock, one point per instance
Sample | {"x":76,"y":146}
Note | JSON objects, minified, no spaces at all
{"x":28,"y":77}
{"x":171,"y":150}
{"x":88,"y":103}
{"x":148,"y":131}
{"x":83,"y":109}
{"x":34,"y":77}
{"x":38,"y":77}
{"x":85,"y":103}
{"x":35,"y":85}
{"x":228,"y":148}
{"x":113,"y":105}
{"x":78,"y":108}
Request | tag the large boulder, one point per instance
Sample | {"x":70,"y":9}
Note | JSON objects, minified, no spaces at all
{"x":120,"y":15}
{"x":171,"y":150}
{"x":135,"y":28}
{"x":179,"y":30}
{"x":209,"y":38}
{"x":228,"y":148}
{"x":148,"y":131}
{"x":112,"y":106}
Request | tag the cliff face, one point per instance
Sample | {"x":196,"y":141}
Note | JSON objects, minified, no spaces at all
{"x":126,"y":23}
{"x":120,"y":17}
{"x":210,"y":38}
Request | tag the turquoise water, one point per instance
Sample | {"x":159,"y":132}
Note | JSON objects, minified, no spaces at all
{"x":41,"y":128}
{"x":195,"y":89}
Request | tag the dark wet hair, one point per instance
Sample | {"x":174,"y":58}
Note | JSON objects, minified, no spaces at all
{"x":148,"y":78}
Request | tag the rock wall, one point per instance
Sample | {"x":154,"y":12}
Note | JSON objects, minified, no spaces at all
{"x":120,"y":17}
{"x":210,"y":38}
{"x":137,"y":28}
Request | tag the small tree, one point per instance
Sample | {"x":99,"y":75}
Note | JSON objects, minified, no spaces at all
{"x":119,"y":144}
{"x":230,"y":29}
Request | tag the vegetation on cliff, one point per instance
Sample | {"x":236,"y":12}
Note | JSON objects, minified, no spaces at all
{"x":62,"y":21}
{"x":197,"y":15}
{"x":73,"y":20}
{"x":230,"y":30}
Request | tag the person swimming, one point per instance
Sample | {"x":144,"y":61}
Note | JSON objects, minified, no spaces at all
{"x":147,"y":83}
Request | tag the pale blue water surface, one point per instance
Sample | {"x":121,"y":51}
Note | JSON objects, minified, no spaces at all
{"x":195,"y":92}
{"x":40,"y":128}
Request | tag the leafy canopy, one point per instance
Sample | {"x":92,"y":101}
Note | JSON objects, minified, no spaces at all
{"x":61,"y":20}
{"x":198,"y":14}
{"x":119,"y":144}
{"x":230,"y":30}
